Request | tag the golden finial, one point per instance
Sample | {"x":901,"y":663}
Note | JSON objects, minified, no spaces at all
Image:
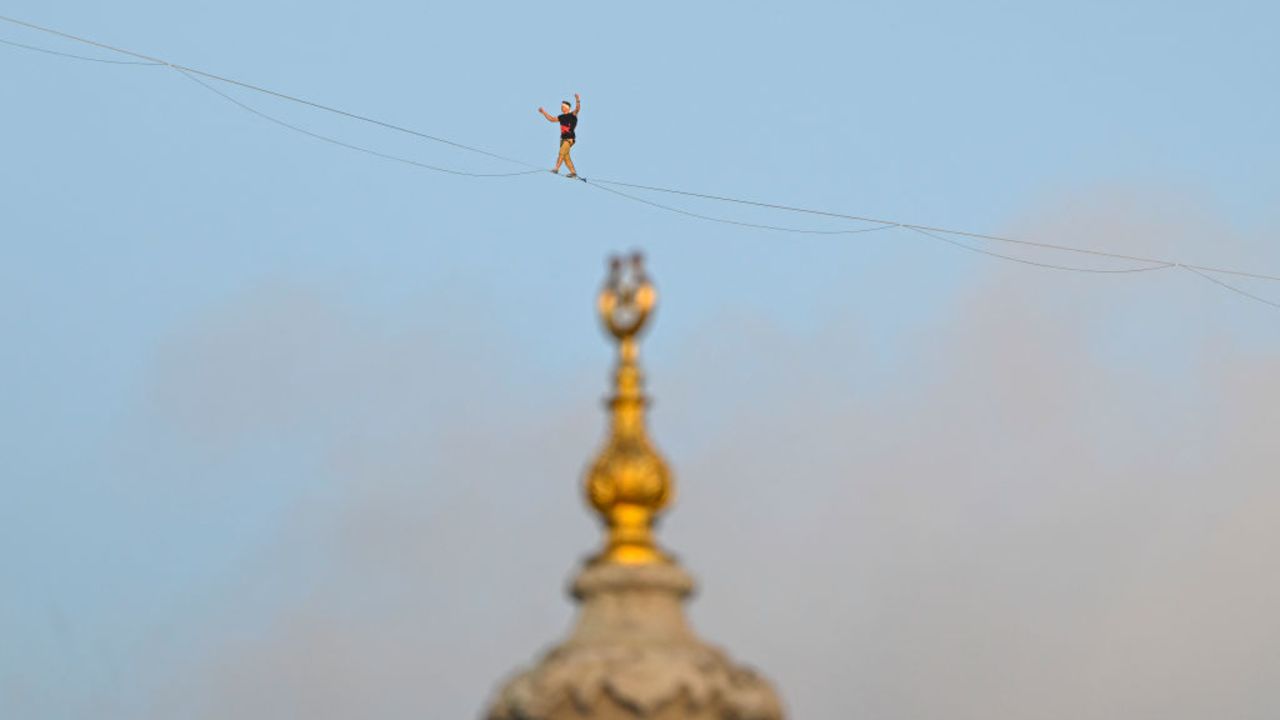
{"x":629,"y":482}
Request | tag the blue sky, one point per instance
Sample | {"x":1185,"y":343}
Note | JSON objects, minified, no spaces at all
{"x":198,"y":305}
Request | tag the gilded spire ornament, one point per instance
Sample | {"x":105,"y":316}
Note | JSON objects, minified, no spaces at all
{"x":629,"y":483}
{"x":631,"y":654}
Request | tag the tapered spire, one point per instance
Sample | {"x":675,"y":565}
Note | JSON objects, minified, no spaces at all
{"x":629,"y":483}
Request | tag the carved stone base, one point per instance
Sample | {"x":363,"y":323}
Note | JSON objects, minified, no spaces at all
{"x":632,"y":655}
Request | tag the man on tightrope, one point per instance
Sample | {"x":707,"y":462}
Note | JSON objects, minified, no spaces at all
{"x":568,"y":123}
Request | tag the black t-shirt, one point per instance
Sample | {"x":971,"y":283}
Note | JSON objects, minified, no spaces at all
{"x":568,"y":122}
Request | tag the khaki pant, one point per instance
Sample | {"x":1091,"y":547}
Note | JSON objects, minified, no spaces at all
{"x":565,"y":145}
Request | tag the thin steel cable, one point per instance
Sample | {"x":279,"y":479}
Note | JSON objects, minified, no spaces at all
{"x":727,"y":221}
{"x":859,"y":218}
{"x":1024,"y":261}
{"x":1232,"y":288}
{"x":74,"y":56}
{"x":386,"y":156}
{"x":266,"y":91}
{"x":948,"y":231}
{"x":269,"y":118}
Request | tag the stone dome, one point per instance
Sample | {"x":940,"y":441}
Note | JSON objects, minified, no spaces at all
{"x":631,"y":654}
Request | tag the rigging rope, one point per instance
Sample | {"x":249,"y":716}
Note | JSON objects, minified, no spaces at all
{"x":75,"y":56}
{"x":727,"y":221}
{"x":340,"y":143}
{"x":265,"y":91}
{"x":948,"y":231}
{"x":966,"y":246}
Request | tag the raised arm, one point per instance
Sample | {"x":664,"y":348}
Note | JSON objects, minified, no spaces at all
{"x":577,"y":103}
{"x":548,"y":115}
